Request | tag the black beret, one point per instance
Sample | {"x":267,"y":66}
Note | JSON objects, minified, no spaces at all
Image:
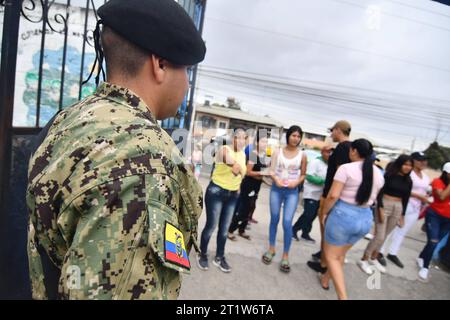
{"x":160,"y":26}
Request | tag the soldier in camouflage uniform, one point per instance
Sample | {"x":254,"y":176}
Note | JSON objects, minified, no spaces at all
{"x":113,"y":207}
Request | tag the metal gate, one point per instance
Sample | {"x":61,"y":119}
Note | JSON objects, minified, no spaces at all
{"x":47,"y":50}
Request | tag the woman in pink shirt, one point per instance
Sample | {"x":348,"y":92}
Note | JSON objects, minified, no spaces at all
{"x":347,"y":212}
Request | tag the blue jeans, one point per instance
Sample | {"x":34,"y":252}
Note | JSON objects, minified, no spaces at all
{"x":306,"y":220}
{"x":437,"y":228}
{"x":289,"y":197}
{"x":220,"y":205}
{"x":347,"y":224}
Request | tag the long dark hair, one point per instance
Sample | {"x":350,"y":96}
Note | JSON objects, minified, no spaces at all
{"x":293,"y":129}
{"x":365,"y":150}
{"x":444,"y":178}
{"x":395,"y":167}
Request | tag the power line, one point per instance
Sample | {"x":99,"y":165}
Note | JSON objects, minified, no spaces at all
{"x":339,"y":86}
{"x":406,"y":120}
{"x":393,"y":15}
{"x":340,"y":94}
{"x":345,"y":97}
{"x":318,"y":116}
{"x":418,"y":8}
{"x":328,"y":103}
{"x":328,"y":44}
{"x":330,"y":106}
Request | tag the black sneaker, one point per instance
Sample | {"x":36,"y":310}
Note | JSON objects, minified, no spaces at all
{"x":381,"y":260}
{"x":316,"y":256}
{"x":316,"y":267}
{"x":202,"y":262}
{"x":307,"y":238}
{"x":222,"y":264}
{"x":395,"y":260}
{"x":294,"y":235}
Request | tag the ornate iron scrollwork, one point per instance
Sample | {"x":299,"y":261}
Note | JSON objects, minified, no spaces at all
{"x":29,"y":6}
{"x":52,"y":20}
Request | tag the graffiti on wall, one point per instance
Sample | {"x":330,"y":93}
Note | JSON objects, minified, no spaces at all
{"x":51,"y":83}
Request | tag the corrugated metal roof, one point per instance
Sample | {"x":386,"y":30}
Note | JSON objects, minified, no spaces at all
{"x":238,"y":115}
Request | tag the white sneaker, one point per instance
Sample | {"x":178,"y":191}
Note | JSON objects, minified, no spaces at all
{"x":368,"y":236}
{"x":420,"y":262}
{"x":423,"y":275}
{"x":365,"y":267}
{"x":377,"y":265}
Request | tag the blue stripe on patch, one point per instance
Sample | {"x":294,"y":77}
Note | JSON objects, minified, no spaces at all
{"x":172,"y":248}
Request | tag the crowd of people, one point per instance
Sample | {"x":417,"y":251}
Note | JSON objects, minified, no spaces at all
{"x":343,"y":187}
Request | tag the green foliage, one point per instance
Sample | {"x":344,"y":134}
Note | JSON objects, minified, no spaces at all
{"x":438,"y":155}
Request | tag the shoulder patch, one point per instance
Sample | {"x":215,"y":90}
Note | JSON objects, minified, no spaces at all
{"x":174,"y":248}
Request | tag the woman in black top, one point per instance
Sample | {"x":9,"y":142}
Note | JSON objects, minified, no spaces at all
{"x":391,"y":207}
{"x":250,"y":187}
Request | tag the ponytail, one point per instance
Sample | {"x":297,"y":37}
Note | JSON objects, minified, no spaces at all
{"x":365,"y":150}
{"x":365,"y":189}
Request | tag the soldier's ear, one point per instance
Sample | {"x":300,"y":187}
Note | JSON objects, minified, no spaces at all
{"x":159,"y":67}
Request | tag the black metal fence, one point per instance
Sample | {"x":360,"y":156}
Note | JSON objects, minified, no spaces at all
{"x":47,"y":51}
{"x":56,"y":38}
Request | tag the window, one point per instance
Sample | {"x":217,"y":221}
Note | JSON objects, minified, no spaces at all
{"x":208,"y":122}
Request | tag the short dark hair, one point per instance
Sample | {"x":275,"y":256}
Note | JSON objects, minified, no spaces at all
{"x":122,"y":56}
{"x":293,"y":129}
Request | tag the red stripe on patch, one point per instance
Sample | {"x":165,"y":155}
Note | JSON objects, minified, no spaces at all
{"x":173,"y":257}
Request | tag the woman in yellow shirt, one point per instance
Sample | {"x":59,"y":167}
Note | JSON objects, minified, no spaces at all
{"x":221,"y":198}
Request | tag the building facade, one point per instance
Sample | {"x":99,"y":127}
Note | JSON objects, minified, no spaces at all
{"x":213,"y":120}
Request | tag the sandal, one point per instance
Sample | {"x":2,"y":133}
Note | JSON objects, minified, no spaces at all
{"x":284,"y":266}
{"x":231,"y":236}
{"x":267,"y":257}
{"x":320,"y":281}
{"x":244,"y":235}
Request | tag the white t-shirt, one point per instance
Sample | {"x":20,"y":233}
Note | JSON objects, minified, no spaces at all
{"x":350,"y":174}
{"x":419,"y":186}
{"x":317,"y":168}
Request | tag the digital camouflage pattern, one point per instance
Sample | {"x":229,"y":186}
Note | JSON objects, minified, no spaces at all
{"x":101,"y":188}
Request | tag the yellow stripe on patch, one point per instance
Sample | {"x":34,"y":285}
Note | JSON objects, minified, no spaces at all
{"x":171,"y":235}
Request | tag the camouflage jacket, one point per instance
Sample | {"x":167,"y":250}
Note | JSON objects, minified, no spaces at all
{"x":111,"y":202}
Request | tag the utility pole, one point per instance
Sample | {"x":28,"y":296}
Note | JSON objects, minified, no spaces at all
{"x":413,"y":143}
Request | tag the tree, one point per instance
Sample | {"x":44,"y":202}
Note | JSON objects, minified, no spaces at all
{"x":437,"y":155}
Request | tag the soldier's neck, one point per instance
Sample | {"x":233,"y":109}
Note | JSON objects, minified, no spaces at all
{"x":140,"y":89}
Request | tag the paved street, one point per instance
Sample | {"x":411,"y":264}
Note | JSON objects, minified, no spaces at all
{"x":251,"y":279}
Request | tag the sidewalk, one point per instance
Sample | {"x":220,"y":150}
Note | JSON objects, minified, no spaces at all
{"x":251,"y":279}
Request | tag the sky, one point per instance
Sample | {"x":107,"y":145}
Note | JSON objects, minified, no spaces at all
{"x":382,"y":65}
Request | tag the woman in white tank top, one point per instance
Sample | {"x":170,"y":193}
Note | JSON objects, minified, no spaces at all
{"x":288,"y":172}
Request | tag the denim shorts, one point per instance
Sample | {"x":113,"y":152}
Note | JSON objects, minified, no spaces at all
{"x":347,"y":224}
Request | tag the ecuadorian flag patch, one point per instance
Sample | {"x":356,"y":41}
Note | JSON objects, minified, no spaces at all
{"x":175,"y":251}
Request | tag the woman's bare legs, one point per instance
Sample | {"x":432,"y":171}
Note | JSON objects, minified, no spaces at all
{"x":335,"y":257}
